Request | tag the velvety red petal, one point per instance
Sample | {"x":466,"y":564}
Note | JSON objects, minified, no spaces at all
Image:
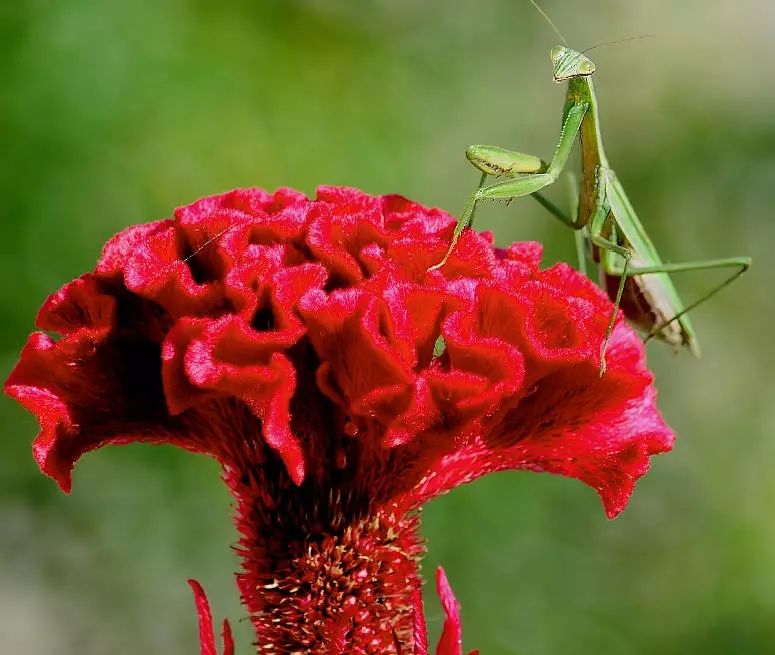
{"x":545,"y":321}
{"x":268,"y":217}
{"x":121,"y":248}
{"x":203,"y":359}
{"x":345,"y":329}
{"x":340,"y":630}
{"x":412,"y":315}
{"x":573,"y":423}
{"x":100,"y":383}
{"x":342,"y":223}
{"x":499,"y":368}
{"x":79,"y":307}
{"x":451,"y":640}
{"x":86,"y":395}
{"x":413,"y":221}
{"x":160,"y":270}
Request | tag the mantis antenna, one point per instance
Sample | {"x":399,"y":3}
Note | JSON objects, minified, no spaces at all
{"x":629,"y":38}
{"x":548,"y":20}
{"x":599,"y":45}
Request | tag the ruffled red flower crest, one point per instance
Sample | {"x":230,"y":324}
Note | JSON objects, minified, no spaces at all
{"x":304,"y":345}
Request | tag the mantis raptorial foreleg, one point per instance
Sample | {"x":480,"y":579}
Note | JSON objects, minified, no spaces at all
{"x":520,"y":183}
{"x":526,"y":184}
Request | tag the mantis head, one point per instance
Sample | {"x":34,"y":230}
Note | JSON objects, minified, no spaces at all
{"x":569,"y":63}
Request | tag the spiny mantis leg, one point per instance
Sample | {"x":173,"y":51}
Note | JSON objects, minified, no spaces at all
{"x":458,"y":229}
{"x":466,"y":220}
{"x":741,"y":263}
{"x":523,"y":185}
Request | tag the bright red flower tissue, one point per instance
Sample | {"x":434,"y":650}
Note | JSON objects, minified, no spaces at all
{"x":304,"y":345}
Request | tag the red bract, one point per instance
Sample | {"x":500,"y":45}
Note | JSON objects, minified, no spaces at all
{"x":206,"y":635}
{"x":451,"y":640}
{"x":293,"y":341}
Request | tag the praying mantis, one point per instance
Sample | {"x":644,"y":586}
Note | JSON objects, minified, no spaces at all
{"x":605,"y":223}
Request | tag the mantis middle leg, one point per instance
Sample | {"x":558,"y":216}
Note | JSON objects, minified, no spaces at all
{"x":742,"y":264}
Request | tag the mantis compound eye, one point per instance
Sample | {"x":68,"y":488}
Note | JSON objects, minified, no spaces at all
{"x":556,"y":53}
{"x":586,"y":67}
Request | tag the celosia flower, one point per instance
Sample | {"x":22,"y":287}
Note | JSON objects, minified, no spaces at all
{"x":340,"y":385}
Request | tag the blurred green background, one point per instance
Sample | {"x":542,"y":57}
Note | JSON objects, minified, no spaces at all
{"x":115,"y":113}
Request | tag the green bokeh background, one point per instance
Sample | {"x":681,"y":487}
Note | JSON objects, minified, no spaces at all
{"x":113,"y":113}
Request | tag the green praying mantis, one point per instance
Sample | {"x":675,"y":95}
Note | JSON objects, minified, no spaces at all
{"x":602,"y":216}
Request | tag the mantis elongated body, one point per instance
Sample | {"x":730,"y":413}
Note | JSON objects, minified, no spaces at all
{"x":603,"y":217}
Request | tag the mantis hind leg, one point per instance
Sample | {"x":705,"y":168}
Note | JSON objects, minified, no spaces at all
{"x":609,"y":250}
{"x":742,"y":264}
{"x":602,"y":233}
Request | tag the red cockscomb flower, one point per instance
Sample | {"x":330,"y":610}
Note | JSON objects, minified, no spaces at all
{"x":297,"y":342}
